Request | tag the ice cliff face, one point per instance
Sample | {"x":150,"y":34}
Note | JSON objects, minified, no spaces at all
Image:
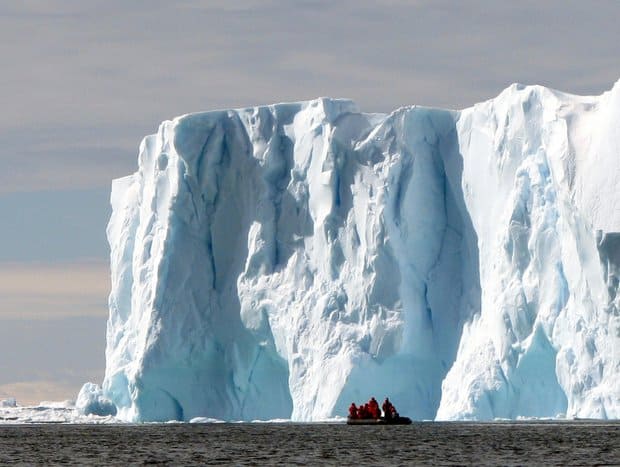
{"x":283,"y":261}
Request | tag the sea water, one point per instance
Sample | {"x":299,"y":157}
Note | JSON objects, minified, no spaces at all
{"x":505,"y":443}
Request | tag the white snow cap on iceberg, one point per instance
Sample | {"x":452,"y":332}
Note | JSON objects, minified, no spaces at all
{"x":285,"y":260}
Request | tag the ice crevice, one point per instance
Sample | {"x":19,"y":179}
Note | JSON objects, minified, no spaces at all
{"x":282,"y":261}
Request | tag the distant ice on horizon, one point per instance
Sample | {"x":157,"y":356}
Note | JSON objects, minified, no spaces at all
{"x":11,"y":412}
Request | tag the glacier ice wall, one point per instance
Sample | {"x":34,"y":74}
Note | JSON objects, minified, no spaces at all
{"x":282,"y":261}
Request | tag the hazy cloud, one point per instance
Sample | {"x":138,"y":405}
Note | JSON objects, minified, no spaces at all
{"x":53,"y":291}
{"x":49,"y":359}
{"x":34,"y":392}
{"x":52,"y":226}
{"x":118,"y":68}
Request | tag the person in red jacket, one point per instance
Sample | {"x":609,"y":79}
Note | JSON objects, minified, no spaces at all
{"x":387,"y":409}
{"x":353,"y":411}
{"x":366,"y":411}
{"x":373,"y":405}
{"x":362,"y":412}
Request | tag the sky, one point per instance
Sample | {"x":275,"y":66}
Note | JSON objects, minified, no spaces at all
{"x":83,"y":81}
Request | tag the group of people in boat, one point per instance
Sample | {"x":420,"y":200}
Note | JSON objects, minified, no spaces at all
{"x":371,"y":410}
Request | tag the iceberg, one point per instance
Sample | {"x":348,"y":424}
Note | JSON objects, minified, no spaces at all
{"x":282,"y":261}
{"x":91,"y":401}
{"x":9,"y":402}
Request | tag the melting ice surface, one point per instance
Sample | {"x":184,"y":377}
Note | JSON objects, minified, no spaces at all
{"x":283,"y":261}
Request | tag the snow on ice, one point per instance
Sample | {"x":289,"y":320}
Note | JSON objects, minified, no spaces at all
{"x":46,"y":412}
{"x":283,"y":261}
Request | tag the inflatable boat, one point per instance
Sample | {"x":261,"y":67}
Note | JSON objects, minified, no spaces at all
{"x":379,"y":421}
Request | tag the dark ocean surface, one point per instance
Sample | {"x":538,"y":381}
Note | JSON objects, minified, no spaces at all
{"x":510,"y":443}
